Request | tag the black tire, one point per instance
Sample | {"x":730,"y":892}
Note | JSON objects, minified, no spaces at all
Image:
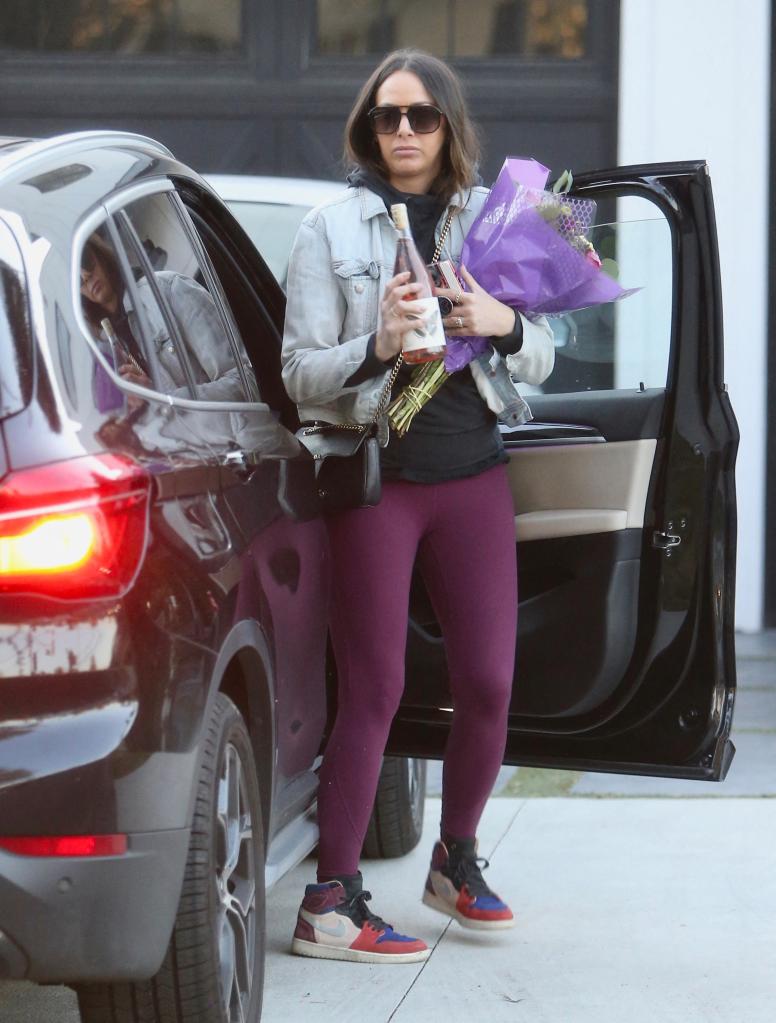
{"x":396,"y":824}
{"x":219,"y":921}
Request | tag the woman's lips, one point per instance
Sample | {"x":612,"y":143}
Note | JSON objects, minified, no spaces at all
{"x":405,"y":151}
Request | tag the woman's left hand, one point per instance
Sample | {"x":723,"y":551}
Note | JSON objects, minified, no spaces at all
{"x":475,"y":313}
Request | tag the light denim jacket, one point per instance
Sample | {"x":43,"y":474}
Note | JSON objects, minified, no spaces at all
{"x":342,"y":259}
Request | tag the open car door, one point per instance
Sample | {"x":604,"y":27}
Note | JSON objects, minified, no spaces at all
{"x":624,"y":513}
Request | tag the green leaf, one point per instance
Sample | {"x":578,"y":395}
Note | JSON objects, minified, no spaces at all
{"x":563,"y":183}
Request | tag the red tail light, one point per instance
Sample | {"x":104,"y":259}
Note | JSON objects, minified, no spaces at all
{"x":65,"y":845}
{"x":74,"y":529}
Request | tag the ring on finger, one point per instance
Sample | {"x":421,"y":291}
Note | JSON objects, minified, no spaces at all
{"x":458,"y":322}
{"x":458,"y":298}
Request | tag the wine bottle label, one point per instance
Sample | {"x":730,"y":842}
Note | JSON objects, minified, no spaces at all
{"x":429,"y":334}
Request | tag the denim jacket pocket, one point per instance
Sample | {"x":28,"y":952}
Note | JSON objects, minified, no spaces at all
{"x":360,"y":283}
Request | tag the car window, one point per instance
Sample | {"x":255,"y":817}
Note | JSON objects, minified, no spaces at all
{"x":272,"y":228}
{"x":623,"y":344}
{"x":144,"y":426}
{"x":253,"y":297}
{"x":174,"y":308}
{"x":16,"y":368}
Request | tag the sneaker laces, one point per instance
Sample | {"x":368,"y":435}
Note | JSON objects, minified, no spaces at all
{"x":359,"y":912}
{"x":468,"y":871}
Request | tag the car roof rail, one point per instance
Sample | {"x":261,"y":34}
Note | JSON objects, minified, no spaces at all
{"x":75,"y":141}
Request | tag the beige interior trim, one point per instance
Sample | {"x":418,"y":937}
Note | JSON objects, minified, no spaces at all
{"x":541,"y":525}
{"x":574,"y":489}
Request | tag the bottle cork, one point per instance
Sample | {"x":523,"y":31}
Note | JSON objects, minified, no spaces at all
{"x":399,"y":214}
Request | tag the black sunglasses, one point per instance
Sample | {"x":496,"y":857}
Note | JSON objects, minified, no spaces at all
{"x":423,"y":117}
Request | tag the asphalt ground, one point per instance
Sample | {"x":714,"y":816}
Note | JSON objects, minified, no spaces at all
{"x":640,"y":900}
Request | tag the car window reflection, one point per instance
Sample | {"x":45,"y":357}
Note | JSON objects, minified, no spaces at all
{"x":162,"y":330}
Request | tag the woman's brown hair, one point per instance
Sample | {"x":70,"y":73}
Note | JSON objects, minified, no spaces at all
{"x":461,"y":151}
{"x":97,"y":248}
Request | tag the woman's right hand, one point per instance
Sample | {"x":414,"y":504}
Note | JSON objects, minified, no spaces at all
{"x":134,"y":375}
{"x":398,"y":314}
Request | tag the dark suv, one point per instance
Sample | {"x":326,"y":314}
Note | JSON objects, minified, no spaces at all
{"x":164,"y":680}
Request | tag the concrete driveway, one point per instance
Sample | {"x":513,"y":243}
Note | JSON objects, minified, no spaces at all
{"x":638,"y":901}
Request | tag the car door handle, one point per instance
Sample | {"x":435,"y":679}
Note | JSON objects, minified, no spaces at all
{"x":240,"y":464}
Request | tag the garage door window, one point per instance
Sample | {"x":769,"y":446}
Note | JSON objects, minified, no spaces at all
{"x":122,"y":26}
{"x":532,"y":29}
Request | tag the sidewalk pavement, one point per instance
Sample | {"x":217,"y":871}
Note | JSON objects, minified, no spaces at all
{"x":638,"y":900}
{"x":631,"y":907}
{"x":637,"y":910}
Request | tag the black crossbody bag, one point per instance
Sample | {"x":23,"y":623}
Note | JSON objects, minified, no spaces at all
{"x":347,"y":455}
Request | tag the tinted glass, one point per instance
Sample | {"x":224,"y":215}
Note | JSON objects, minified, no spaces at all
{"x":187,"y":332}
{"x":121,"y":26}
{"x":120,"y":420}
{"x":554,"y":29}
{"x":15,"y":331}
{"x":623,"y":344}
{"x":254,"y":299}
{"x":272,"y":228}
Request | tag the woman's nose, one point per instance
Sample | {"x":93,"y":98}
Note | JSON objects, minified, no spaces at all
{"x":405,"y":128}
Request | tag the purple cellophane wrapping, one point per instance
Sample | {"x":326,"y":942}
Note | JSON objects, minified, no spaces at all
{"x":524,"y":258}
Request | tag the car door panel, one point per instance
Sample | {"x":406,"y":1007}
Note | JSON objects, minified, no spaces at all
{"x":614,"y":415}
{"x":568,"y":490}
{"x":625,"y":530}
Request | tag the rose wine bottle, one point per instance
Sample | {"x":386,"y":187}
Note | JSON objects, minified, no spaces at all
{"x":426,"y":341}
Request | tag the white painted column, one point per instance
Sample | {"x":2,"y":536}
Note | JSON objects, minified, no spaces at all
{"x":694,"y":83}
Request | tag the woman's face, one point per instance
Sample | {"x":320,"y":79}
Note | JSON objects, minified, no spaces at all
{"x":95,"y":283}
{"x":413,"y":159}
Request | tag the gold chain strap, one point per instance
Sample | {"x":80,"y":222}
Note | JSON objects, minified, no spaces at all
{"x":443,"y":235}
{"x":385,"y":396}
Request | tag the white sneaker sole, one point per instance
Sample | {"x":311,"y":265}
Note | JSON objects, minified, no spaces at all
{"x":434,"y":902}
{"x":300,"y":947}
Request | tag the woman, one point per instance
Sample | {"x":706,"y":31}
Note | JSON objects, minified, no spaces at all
{"x":446,"y":499}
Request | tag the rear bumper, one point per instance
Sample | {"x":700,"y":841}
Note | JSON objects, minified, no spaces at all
{"x":91,"y":918}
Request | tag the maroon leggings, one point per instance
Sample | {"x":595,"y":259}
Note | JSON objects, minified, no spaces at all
{"x":463,"y":533}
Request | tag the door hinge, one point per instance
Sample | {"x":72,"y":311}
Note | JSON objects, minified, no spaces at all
{"x":665,"y":541}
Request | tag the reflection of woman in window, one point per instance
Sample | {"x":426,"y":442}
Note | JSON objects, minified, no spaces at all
{"x":216,"y":377}
{"x":102,"y":290}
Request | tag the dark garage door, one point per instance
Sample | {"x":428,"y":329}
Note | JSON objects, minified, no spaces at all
{"x":265,"y":85}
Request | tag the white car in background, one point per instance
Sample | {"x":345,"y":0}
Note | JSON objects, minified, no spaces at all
{"x":271,"y":209}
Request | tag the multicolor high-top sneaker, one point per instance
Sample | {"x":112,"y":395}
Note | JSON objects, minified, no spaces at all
{"x":455,"y":886}
{"x":335,"y":923}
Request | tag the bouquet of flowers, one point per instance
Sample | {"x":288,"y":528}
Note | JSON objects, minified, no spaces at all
{"x":527,"y":248}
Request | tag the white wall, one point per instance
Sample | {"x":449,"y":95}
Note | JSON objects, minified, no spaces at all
{"x":694,"y":83}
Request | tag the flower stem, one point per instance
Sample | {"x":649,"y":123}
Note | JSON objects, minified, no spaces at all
{"x":426,"y":381}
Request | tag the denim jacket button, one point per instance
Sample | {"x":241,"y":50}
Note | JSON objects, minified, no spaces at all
{"x":359,"y":288}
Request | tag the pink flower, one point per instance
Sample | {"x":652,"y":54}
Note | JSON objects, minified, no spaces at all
{"x":592,"y":257}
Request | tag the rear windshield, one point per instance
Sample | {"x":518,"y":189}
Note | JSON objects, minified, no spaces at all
{"x":15,"y":333}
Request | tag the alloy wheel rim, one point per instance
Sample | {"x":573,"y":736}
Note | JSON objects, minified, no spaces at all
{"x":236,"y":887}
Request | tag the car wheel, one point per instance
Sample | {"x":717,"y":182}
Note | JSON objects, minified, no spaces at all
{"x":214,"y":966}
{"x":396,"y":824}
